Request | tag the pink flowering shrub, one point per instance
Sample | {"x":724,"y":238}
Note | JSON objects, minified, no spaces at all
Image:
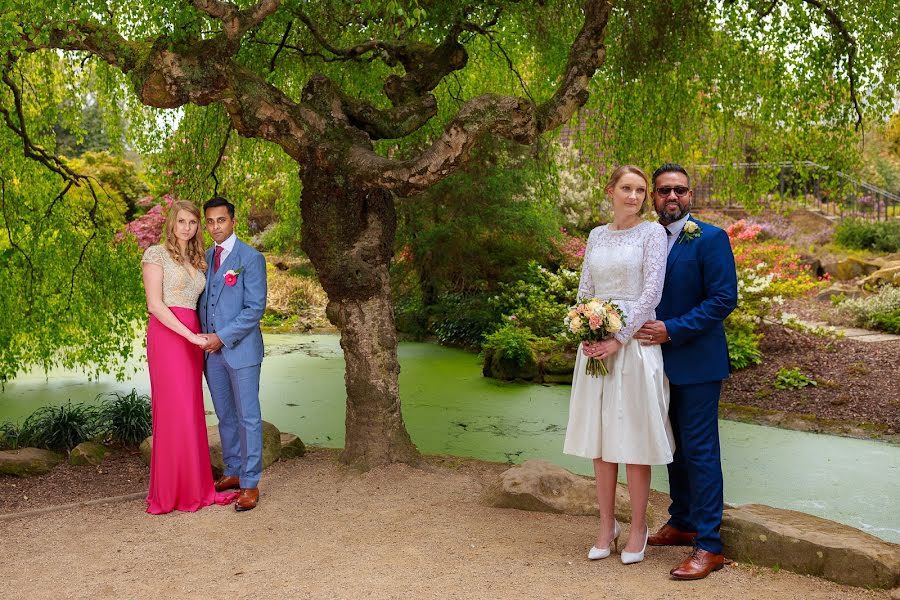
{"x":147,"y":229}
{"x":570,"y":249}
{"x":744,"y":231}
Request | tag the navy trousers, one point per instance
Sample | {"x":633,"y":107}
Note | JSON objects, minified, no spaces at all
{"x":695,"y":474}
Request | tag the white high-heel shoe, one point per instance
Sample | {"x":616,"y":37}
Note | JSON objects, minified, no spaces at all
{"x":629,"y":558}
{"x":596,"y":553}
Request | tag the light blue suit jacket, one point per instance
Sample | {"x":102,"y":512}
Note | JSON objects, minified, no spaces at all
{"x":233,"y":312}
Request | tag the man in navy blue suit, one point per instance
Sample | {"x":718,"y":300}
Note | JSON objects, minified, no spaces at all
{"x":700,"y":290}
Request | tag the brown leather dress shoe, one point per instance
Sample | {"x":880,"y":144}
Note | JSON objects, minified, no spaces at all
{"x":247,"y":500}
{"x":698,"y":565}
{"x":669,"y":536}
{"x":227,"y":483}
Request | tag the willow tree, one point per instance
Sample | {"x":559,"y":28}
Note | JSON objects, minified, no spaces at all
{"x":370,"y":100}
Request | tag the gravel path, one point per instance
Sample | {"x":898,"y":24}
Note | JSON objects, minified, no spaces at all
{"x":323,"y":531}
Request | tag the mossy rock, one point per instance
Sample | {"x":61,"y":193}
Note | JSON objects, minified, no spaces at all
{"x":851,"y":268}
{"x":558,"y":363}
{"x":498,"y":366}
{"x":26,"y":462}
{"x":87,"y":453}
{"x":887,"y":275}
{"x":271,"y":447}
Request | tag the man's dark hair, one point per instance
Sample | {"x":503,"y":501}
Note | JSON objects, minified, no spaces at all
{"x":670,"y":168}
{"x":218,"y":201}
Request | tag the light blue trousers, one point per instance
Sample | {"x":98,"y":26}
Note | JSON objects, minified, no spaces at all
{"x":235,"y":396}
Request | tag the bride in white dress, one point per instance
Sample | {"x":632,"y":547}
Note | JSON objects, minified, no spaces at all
{"x":623,"y":417}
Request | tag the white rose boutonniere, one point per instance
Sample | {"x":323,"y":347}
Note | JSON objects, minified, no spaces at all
{"x":691,"y":231}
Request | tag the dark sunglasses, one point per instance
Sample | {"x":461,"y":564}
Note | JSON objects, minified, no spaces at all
{"x":680,"y":190}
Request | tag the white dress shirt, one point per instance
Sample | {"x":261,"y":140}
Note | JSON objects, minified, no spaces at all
{"x":674,"y":230}
{"x":227,"y":247}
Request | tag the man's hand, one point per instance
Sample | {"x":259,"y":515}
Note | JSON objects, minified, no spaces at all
{"x":213,"y":343}
{"x":652,"y":333}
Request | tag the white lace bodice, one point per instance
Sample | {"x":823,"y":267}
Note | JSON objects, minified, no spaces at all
{"x":628,"y":267}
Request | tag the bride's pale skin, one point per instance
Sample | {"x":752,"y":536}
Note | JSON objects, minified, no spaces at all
{"x":627,"y":195}
{"x":185,"y":229}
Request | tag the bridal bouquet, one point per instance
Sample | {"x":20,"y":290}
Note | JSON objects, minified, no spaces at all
{"x":591,"y":321}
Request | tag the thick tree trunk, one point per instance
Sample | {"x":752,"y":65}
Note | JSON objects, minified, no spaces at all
{"x":348,"y":233}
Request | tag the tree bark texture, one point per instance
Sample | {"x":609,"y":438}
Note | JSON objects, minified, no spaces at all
{"x":348,"y":233}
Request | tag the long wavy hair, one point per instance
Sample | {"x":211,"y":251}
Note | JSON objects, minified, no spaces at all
{"x":622,"y":170}
{"x":195,"y":255}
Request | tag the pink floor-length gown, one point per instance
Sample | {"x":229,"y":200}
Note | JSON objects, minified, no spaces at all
{"x":180,"y":471}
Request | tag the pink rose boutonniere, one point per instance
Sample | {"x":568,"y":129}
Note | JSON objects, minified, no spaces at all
{"x":231,"y":276}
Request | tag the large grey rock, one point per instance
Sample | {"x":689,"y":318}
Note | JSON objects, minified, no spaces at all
{"x":87,"y":453}
{"x":291,"y":446}
{"x":271,"y":447}
{"x":541,"y":486}
{"x":810,"y":545}
{"x":25,"y":462}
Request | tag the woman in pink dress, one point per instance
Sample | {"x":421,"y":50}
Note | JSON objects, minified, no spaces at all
{"x":174,"y":277}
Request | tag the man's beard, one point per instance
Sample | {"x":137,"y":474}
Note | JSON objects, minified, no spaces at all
{"x":671,"y":218}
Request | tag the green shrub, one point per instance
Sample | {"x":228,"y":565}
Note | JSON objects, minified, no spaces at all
{"x":878,"y":311}
{"x":512,"y":343}
{"x":538,"y":300}
{"x":462,"y":319}
{"x":887,"y":321}
{"x":59,"y":427}
{"x":9,"y":436}
{"x":125,"y":418}
{"x":883,"y":236}
{"x":791,"y":379}
{"x":743,"y":344}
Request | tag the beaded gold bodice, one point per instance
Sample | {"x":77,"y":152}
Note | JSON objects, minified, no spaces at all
{"x":180,"y":288}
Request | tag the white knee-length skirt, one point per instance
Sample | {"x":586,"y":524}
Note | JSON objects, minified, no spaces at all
{"x":622,"y":417}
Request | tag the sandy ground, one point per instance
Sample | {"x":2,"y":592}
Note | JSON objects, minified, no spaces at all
{"x":323,"y":531}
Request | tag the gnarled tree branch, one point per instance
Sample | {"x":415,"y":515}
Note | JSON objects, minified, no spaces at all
{"x":237,"y":22}
{"x":513,"y":118}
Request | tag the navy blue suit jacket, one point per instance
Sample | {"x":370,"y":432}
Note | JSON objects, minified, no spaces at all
{"x":700,"y":290}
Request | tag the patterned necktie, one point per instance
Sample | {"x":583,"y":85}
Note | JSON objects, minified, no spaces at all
{"x":217,"y":259}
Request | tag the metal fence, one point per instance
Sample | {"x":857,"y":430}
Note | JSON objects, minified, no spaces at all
{"x":788,"y":185}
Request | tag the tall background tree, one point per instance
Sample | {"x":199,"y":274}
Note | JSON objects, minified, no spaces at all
{"x":371,"y":101}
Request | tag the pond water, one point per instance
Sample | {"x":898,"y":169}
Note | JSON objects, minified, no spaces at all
{"x":450,"y":408}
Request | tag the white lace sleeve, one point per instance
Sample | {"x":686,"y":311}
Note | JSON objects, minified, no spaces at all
{"x":655,"y":245}
{"x":586,"y":284}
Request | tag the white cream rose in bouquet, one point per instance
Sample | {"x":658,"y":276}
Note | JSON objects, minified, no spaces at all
{"x":591,"y":321}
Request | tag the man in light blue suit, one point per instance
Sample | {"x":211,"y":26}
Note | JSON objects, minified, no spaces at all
{"x":700,"y":290}
{"x":230,"y":309}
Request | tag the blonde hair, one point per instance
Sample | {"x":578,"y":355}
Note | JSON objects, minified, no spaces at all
{"x":195,"y":256}
{"x":624,"y":170}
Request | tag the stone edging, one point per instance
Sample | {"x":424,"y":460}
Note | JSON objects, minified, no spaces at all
{"x":802,"y":422}
{"x":59,"y":507}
